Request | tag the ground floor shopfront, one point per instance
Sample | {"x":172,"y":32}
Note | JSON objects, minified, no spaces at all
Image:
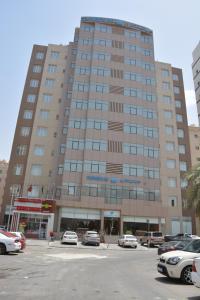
{"x":38,"y":217}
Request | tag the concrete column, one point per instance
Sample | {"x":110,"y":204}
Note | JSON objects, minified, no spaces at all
{"x":50,"y":224}
{"x":121,"y":225}
{"x":102,"y":221}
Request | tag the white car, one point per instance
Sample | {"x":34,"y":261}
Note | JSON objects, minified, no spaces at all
{"x":196,"y":272}
{"x":128,"y":240}
{"x":178,"y":264}
{"x":69,"y":237}
{"x":9,"y":244}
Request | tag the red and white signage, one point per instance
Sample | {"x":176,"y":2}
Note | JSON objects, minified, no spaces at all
{"x":35,"y":205}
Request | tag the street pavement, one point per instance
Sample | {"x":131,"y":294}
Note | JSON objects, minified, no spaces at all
{"x":54,"y":271}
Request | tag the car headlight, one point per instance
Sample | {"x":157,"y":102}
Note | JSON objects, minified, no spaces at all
{"x":174,"y":260}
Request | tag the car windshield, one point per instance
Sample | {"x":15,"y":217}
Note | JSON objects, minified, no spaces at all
{"x":168,"y":244}
{"x":70,"y":233}
{"x":193,"y":246}
{"x":157,"y":234}
{"x":129,"y":236}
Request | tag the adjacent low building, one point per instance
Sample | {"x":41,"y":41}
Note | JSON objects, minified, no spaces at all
{"x":102,"y":130}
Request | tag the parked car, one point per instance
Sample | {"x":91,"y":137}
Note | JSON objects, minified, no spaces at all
{"x":128,"y":240}
{"x":21,"y":237}
{"x":196,"y":272}
{"x":69,"y":237}
{"x":171,"y":246}
{"x":9,"y":243}
{"x":178,"y":264}
{"x":152,"y":238}
{"x":91,"y":238}
{"x":179,"y":237}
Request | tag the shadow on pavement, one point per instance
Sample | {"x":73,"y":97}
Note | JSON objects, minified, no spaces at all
{"x":167,"y":280}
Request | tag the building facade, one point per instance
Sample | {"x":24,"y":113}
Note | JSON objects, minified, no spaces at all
{"x":102,"y":129}
{"x":194,"y":135}
{"x":196,"y":76}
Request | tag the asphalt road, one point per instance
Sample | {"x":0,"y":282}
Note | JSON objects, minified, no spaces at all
{"x":52,"y":273}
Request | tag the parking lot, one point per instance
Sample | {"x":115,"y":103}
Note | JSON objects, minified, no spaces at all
{"x":55,"y":271}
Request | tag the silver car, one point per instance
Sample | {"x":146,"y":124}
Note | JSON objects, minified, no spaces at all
{"x":69,"y":237}
{"x":128,"y":240}
{"x":91,"y":238}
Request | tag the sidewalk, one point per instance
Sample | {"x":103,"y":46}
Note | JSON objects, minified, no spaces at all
{"x":57,"y":244}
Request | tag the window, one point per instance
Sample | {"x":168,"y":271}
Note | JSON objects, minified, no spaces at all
{"x":172,"y":201}
{"x":52,"y":68}
{"x":60,"y":169}
{"x":179,"y":118}
{"x":168,"y":114}
{"x":165,"y":73}
{"x":25,"y":131}
{"x":47,"y":98}
{"x":38,"y":151}
{"x":21,"y":150}
{"x":39,"y":55}
{"x":37,"y":69}
{"x":99,"y":88}
{"x":73,"y":166}
{"x":176,"y":90}
{"x":18,"y":169}
{"x":28,"y":114}
{"x":36,"y":170}
{"x":183,"y":166}
{"x":170,"y":163}
{"x":165,"y":85}
{"x":181,"y":149}
{"x":147,"y":52}
{"x":55,"y":54}
{"x":44,"y":114}
{"x":62,"y":148}
{"x":175,"y":77}
{"x":35,"y":193}
{"x":180,"y":133}
{"x":42,"y":131}
{"x":171,"y":182}
{"x":34,"y":83}
{"x":130,"y":61}
{"x":178,"y":103}
{"x":166,"y":99}
{"x":101,"y":56}
{"x":31,"y":98}
{"x":81,"y":87}
{"x":169,"y":146}
{"x":49,"y":82}
{"x":65,"y":129}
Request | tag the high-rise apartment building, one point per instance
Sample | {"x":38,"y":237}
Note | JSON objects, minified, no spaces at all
{"x":102,"y":129}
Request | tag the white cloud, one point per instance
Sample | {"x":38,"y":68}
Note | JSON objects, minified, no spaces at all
{"x":191,"y":107}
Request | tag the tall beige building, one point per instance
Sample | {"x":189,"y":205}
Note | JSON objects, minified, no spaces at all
{"x":194,"y":136}
{"x":102,"y":129}
{"x":3,"y":174}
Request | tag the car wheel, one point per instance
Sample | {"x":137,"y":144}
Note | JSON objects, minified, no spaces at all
{"x":135,"y":247}
{"x":186,"y":275}
{"x":2,"y":249}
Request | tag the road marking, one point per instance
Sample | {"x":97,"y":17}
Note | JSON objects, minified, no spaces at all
{"x":75,"y":256}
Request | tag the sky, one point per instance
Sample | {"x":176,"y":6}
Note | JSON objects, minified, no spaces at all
{"x":175,"y":24}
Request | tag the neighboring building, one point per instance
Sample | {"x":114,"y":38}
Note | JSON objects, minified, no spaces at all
{"x":102,"y":128}
{"x":194,"y":134}
{"x":3,"y":174}
{"x":196,"y":76}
